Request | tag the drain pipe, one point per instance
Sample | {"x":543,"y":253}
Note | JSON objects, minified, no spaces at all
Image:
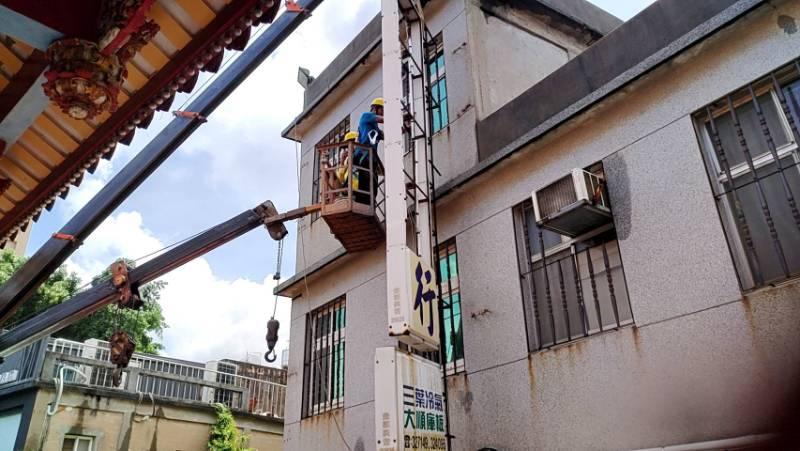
{"x":59,"y":383}
{"x":52,"y":409}
{"x":727,"y":443}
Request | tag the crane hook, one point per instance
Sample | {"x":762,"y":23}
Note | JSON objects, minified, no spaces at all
{"x":272,"y":339}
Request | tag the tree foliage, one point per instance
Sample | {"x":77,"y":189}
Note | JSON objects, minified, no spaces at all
{"x":144,"y":326}
{"x":225,"y":436}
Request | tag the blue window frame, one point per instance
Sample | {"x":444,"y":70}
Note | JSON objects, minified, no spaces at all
{"x":451,"y":295}
{"x":437,"y":85}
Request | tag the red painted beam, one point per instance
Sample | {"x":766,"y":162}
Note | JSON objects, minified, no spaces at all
{"x":21,"y":82}
{"x":108,"y":131}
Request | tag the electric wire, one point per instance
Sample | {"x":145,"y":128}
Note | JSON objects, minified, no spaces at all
{"x":233,"y":55}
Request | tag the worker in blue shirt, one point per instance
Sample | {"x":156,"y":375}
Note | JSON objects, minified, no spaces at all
{"x":369,"y":134}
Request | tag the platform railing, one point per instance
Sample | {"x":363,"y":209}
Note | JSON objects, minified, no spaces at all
{"x":339,"y":171}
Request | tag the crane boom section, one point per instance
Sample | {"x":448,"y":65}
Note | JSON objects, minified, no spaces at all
{"x":87,"y":302}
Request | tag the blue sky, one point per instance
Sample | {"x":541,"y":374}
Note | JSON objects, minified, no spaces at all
{"x":234,"y":162}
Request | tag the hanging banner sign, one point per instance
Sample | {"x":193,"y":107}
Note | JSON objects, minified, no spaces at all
{"x":409,"y":403}
{"x":414,"y":304}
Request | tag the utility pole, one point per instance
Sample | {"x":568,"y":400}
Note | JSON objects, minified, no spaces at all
{"x":413,"y":297}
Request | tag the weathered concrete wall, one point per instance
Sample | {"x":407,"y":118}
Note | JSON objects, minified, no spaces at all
{"x":512,"y":49}
{"x":700,"y":354}
{"x":119,"y":424}
{"x":362,"y":280}
{"x":455,"y":148}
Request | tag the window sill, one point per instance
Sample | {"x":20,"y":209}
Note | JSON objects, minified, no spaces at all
{"x":327,"y":412}
{"x":442,"y":130}
{"x":459,"y":368}
{"x":567,"y":344}
{"x":793,"y":280}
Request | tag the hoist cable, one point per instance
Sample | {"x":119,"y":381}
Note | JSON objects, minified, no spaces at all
{"x":277,"y":276}
{"x":273,"y":325}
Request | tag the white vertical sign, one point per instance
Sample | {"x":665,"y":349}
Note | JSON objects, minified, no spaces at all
{"x":413,"y":310}
{"x":414,"y":313}
{"x":409,"y":403}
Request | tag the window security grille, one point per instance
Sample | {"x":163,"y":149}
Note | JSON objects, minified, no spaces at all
{"x":571,"y":288}
{"x":323,"y":380}
{"x":750,"y":141}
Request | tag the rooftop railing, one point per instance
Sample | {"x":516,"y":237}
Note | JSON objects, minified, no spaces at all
{"x":163,"y":378}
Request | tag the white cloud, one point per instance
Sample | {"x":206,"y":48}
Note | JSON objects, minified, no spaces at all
{"x":209,"y":318}
{"x":121,"y":235}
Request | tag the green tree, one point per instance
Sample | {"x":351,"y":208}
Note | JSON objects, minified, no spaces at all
{"x":144,"y":325}
{"x":225,"y":436}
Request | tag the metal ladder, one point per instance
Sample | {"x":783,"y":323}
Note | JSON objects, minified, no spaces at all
{"x":421,"y":181}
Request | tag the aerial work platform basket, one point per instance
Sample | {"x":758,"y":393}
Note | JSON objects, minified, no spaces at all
{"x":351,"y":195}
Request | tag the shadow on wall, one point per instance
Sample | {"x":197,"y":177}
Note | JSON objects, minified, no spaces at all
{"x":616,"y":172}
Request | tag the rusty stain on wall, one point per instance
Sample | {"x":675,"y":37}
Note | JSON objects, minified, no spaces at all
{"x":531,"y":375}
{"x":637,"y":340}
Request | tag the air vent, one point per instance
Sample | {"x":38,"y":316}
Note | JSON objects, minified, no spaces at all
{"x":573,"y":205}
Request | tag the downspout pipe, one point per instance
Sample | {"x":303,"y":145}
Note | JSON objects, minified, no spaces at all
{"x":727,"y":443}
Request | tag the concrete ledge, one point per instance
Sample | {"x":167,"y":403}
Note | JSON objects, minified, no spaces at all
{"x":367,"y":41}
{"x":581,"y":12}
{"x":660,"y":32}
{"x":290,"y":288}
{"x":122,"y":394}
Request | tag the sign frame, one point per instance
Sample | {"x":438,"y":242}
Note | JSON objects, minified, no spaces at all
{"x":413,"y":308}
{"x":407,"y":388}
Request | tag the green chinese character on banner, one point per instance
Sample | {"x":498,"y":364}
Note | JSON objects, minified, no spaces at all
{"x":440,"y":423}
{"x":420,"y":420}
{"x":409,"y":415}
{"x":431,"y":424}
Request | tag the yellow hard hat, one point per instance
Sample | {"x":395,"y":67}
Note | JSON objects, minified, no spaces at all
{"x":351,"y":136}
{"x":377,"y":102}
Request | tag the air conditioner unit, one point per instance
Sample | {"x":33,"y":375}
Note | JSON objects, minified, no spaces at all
{"x":573,"y":205}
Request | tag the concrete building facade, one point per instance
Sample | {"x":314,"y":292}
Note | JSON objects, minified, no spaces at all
{"x":58,"y":394}
{"x":673,"y":325}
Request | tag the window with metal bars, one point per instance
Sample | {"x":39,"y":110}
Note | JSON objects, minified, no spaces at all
{"x":323,"y":373}
{"x":437,"y":83}
{"x":749,"y":142}
{"x":451,"y":297}
{"x":572,"y":289}
{"x":335,"y":135}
